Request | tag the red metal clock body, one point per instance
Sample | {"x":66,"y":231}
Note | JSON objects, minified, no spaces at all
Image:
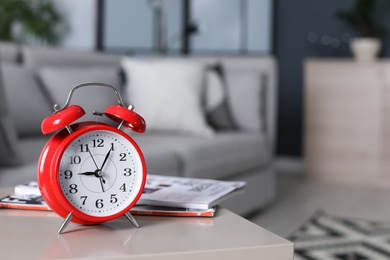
{"x":90,"y":172}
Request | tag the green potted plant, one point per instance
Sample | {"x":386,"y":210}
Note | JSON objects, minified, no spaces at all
{"x":36,"y":19}
{"x":366,"y":17}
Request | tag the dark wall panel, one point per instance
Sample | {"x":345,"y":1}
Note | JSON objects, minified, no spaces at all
{"x":295,"y":22}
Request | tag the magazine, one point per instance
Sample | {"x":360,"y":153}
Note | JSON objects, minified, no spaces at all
{"x":36,"y":202}
{"x":24,"y":201}
{"x":162,"y":195}
{"x":184,"y":192}
{"x":178,"y":192}
{"x":173,"y":212}
{"x":30,"y":188}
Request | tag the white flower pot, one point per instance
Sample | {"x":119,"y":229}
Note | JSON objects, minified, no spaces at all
{"x":365,"y":49}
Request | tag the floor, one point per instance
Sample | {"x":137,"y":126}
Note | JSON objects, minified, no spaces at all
{"x":298,"y":198}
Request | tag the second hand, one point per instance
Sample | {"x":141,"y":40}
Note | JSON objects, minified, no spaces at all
{"x":102,"y":180}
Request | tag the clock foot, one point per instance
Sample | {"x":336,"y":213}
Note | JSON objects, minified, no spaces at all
{"x":65,"y":223}
{"x":131,"y":219}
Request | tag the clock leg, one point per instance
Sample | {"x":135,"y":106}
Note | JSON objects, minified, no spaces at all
{"x":65,"y":223}
{"x":131,"y":219}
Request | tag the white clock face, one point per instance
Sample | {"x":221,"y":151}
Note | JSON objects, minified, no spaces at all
{"x":100,"y":173}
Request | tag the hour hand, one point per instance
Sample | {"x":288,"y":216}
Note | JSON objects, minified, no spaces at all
{"x":95,"y":173}
{"x":87,"y":173}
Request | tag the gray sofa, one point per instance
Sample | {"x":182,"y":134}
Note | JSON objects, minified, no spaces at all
{"x":240,"y":146}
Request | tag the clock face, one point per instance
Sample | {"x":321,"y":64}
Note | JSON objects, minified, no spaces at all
{"x":100,"y":173}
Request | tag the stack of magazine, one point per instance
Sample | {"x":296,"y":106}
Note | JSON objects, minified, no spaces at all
{"x":162,"y":196}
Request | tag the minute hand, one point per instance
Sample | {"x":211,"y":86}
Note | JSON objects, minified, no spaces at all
{"x":105,"y":159}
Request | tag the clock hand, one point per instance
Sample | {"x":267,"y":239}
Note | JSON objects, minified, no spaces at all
{"x":101,"y":183}
{"x":105,"y":159}
{"x":95,"y":173}
{"x":98,"y":173}
{"x":87,"y":173}
{"x":93,"y":159}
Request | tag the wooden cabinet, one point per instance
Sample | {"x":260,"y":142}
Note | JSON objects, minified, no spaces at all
{"x":347,"y":121}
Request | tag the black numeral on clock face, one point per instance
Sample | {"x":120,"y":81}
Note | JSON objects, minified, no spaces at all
{"x":68,"y":174}
{"x":113,"y":198}
{"x":83,"y":198}
{"x":99,"y":203}
{"x":98,"y":142}
{"x":73,"y":188}
{"x":123,"y":187}
{"x":123,"y":157}
{"x":84,"y":148}
{"x":127,"y":172}
{"x":75,"y":159}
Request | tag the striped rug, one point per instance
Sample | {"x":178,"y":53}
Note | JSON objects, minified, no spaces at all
{"x":325,"y":237}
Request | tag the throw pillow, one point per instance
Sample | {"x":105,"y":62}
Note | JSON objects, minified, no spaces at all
{"x":58,"y":81}
{"x":168,"y":94}
{"x":247,"y":101}
{"x":9,"y":152}
{"x":217,"y":108}
{"x":215,"y":92}
{"x":25,"y":95}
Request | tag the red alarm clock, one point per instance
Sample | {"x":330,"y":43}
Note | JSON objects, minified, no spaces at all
{"x":91,"y":172}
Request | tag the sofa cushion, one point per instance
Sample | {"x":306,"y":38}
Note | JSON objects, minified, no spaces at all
{"x":58,"y":81}
{"x":32,"y":147}
{"x":168,"y":94}
{"x":219,"y":157}
{"x":27,"y":171}
{"x":9,"y":52}
{"x":159,"y":159}
{"x":25,"y":95}
{"x":246,"y":98}
{"x":9,"y":146}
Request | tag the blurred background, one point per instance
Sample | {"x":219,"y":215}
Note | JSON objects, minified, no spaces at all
{"x":292,"y":31}
{"x":317,"y":69}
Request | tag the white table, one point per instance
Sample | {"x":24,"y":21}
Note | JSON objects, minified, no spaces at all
{"x":28,"y":234}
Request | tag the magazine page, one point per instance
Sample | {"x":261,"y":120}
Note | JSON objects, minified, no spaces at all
{"x":168,"y":191}
{"x":23,"y":201}
{"x":172,"y":212}
{"x":36,"y":202}
{"x":186,"y":192}
{"x":30,"y":188}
